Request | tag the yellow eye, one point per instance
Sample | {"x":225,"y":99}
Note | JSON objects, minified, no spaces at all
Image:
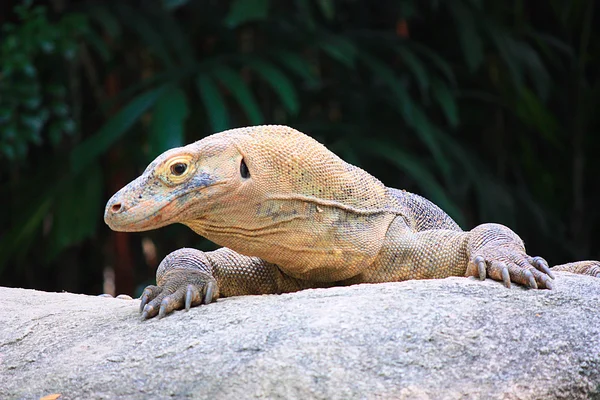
{"x":178,"y":169}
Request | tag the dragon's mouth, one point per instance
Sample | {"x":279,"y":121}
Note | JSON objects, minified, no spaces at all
{"x":145,"y":212}
{"x":139,"y":217}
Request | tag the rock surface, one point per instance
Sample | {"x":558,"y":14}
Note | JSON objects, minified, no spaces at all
{"x":439,"y":339}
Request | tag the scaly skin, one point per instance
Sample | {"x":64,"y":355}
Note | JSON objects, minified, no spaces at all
{"x":292,"y":215}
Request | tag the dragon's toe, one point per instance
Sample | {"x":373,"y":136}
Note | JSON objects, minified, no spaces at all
{"x":510,"y":267}
{"x":178,"y":288}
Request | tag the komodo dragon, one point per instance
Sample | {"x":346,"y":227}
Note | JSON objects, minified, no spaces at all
{"x":293,"y":215}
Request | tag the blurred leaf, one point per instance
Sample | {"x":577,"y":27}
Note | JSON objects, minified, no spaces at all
{"x":470,"y":39}
{"x":98,"y":45}
{"x":327,"y":8}
{"x":382,"y":72}
{"x":115,"y":127}
{"x":340,"y":49}
{"x":543,"y":38}
{"x":176,"y":38}
{"x":440,"y":63}
{"x":232,"y":80}
{"x":535,"y":68}
{"x":146,"y":31}
{"x":214,"y":102}
{"x":533,"y":113}
{"x":416,"y":67}
{"x":446,"y":100}
{"x":77,"y":210}
{"x":279,"y":82}
{"x":413,"y":115}
{"x":430,"y":135}
{"x":109,"y":22}
{"x":493,"y":198}
{"x":167,"y":129}
{"x":299,"y":65}
{"x":242,"y":11}
{"x":504,"y":45}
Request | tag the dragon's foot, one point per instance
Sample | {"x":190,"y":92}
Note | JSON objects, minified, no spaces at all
{"x":511,"y":266}
{"x":497,"y":252}
{"x":581,"y":267}
{"x":178,"y":288}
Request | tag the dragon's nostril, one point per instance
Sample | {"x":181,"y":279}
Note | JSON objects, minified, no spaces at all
{"x":116,"y":208}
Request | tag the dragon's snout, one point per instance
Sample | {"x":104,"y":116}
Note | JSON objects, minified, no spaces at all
{"x":114,"y":207}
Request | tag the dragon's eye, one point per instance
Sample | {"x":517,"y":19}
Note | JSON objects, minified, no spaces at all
{"x":178,"y":168}
{"x":244,"y":171}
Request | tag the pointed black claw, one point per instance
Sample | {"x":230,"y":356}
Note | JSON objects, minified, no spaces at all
{"x":208,"y":296}
{"x":481,"y":268}
{"x":543,"y":266}
{"x":506,"y":276}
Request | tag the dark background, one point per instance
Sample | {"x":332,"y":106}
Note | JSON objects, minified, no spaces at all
{"x":489,"y":109}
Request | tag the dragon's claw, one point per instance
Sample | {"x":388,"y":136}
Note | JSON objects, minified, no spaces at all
{"x":505,"y":275}
{"x":192,"y":295}
{"x":179,"y":288}
{"x":148,"y":312}
{"x":542,"y":265}
{"x":481,"y":268}
{"x":511,"y":267}
{"x":148,"y":294}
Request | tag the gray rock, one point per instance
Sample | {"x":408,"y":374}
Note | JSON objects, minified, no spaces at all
{"x":455,"y":338}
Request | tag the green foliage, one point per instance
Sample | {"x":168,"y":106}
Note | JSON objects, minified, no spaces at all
{"x":214,"y":102}
{"x":97,"y":144}
{"x":168,"y":121}
{"x":34,"y":102}
{"x":76,"y":206}
{"x":242,"y":11}
{"x":477,"y":105}
{"x":279,"y":82}
{"x":233,"y":82}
